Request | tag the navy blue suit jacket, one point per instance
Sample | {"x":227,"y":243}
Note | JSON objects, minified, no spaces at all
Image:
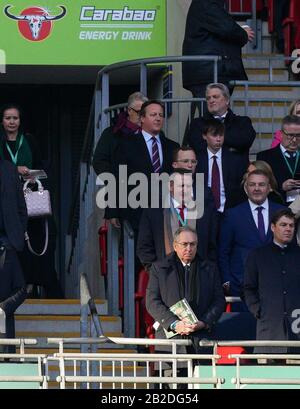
{"x":238,"y":236}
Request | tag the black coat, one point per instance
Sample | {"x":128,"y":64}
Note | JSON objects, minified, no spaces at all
{"x":233,"y":169}
{"x":210,"y":30}
{"x":13,"y":206}
{"x":272,"y":291}
{"x":164,"y":290}
{"x":132,"y":151}
{"x":150,"y":243}
{"x":275,"y":159}
{"x":238,"y":138}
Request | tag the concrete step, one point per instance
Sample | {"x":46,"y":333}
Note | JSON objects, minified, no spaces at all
{"x":56,"y":324}
{"x":262,"y":74}
{"x":250,"y":61}
{"x":257,"y":109}
{"x":274,"y":91}
{"x":65,"y":307}
{"x":261,"y":143}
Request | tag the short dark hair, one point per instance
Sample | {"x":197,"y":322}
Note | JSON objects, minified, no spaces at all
{"x":184,"y":148}
{"x":7,"y":106}
{"x":151,"y":102}
{"x":282,"y":213}
{"x":290,"y":120}
{"x":213,"y":126}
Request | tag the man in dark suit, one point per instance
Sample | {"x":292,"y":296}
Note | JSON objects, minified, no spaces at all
{"x":146,"y":152}
{"x":272,"y":285}
{"x":158,"y":226}
{"x":285,"y":159}
{"x":210,"y":30}
{"x":223,"y":171}
{"x":244,"y":228}
{"x":184,"y":275}
{"x":13,"y":222}
{"x":239,"y":132}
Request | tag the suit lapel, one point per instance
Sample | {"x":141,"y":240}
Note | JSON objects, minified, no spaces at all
{"x":142,"y":152}
{"x":225,"y":168}
{"x":250,"y":220}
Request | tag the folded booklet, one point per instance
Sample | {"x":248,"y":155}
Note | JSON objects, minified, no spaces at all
{"x":181,"y":309}
{"x":35,"y":174}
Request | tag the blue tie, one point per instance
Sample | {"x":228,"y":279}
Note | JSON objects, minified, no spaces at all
{"x":261,"y":223}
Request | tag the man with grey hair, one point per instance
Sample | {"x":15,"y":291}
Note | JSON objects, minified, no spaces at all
{"x":239,"y":132}
{"x":184,"y":275}
{"x":127,"y":123}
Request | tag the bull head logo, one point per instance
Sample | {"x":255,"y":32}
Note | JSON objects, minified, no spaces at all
{"x":35,"y":17}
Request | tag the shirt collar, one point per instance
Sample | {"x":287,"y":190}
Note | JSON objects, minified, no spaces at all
{"x":148,"y":137}
{"x":282,"y":246}
{"x":221,"y":116}
{"x":253,"y":206}
{"x":218,"y":154}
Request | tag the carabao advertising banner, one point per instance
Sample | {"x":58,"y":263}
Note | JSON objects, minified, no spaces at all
{"x":81,"y":32}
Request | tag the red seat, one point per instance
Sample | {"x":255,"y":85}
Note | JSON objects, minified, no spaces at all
{"x":245,"y":7}
{"x":291,"y":29}
{"x":102,"y":232}
{"x":271,"y":16}
{"x":143,"y":319}
{"x":225,"y":351}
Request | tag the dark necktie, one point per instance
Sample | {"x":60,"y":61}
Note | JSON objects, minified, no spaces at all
{"x":186,"y":280}
{"x":181,"y":214}
{"x":261,"y":223}
{"x":215,"y":182}
{"x":155,"y":155}
{"x":291,"y":158}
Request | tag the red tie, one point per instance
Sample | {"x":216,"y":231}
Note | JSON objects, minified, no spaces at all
{"x":215,"y":182}
{"x":181,"y":214}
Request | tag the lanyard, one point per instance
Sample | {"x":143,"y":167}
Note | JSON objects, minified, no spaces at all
{"x":289,"y":166}
{"x":182,"y":222}
{"x":14,"y":158}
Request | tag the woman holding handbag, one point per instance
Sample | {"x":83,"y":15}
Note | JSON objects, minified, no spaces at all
{"x":21,"y":149}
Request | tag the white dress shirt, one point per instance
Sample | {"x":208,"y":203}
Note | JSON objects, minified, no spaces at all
{"x":148,"y":140}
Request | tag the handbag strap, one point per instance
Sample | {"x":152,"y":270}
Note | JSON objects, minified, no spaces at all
{"x":46,"y":241}
{"x":33,"y":181}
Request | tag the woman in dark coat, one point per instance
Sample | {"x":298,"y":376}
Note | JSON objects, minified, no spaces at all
{"x":21,"y":149}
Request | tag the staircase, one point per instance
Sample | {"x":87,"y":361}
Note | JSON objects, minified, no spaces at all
{"x":266,"y":115}
{"x":42,"y":319}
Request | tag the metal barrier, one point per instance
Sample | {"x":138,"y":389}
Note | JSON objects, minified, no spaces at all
{"x":131,"y":369}
{"x":31,"y":363}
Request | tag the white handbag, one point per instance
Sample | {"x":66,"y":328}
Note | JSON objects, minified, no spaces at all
{"x":37,"y":202}
{"x":38,"y":205}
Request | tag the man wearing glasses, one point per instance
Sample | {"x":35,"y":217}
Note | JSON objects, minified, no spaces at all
{"x":127,"y":123}
{"x":285,"y":159}
{"x":184,"y":275}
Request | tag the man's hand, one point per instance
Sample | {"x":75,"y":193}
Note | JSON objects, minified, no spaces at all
{"x":115,"y":222}
{"x":184,"y":328}
{"x":290,"y":184}
{"x":226,"y":288}
{"x":249,"y":32}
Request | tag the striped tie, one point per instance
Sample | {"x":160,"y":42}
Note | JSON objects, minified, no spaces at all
{"x":155,"y":156}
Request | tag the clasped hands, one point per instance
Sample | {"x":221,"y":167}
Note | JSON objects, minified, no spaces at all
{"x":184,"y":328}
